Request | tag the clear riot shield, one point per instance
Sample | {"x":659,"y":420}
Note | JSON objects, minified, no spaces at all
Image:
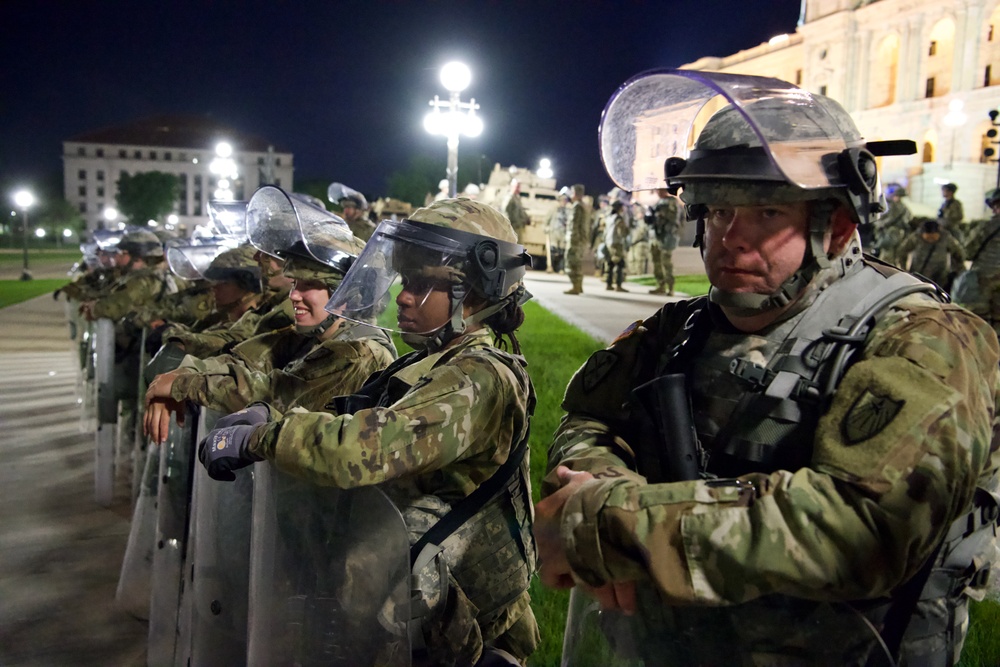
{"x":213,"y":623}
{"x":173,"y":502}
{"x":773,"y":630}
{"x":329,"y":573}
{"x":139,"y":442}
{"x":136,"y":575}
{"x":107,"y":414}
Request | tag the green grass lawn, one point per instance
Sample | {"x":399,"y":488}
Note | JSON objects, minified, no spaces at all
{"x":13,"y":257}
{"x":16,"y":291}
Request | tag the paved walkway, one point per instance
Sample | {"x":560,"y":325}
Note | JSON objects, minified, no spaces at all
{"x":60,"y":552}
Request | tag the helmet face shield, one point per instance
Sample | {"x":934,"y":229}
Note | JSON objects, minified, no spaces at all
{"x":228,"y":218}
{"x":661,"y":114}
{"x":400,"y":254}
{"x":190,"y":260}
{"x":278,"y":222}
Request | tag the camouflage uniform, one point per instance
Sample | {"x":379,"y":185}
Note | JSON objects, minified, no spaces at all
{"x":136,"y":288}
{"x":890,"y":231}
{"x":576,"y":242}
{"x":447,"y":422}
{"x":187,"y":306}
{"x":91,"y":285}
{"x":667,"y":226}
{"x":951,"y":215}
{"x":984,"y":251}
{"x":615,"y":235}
{"x":514,"y":210}
{"x":288,"y":370}
{"x":939,"y":261}
{"x":811,"y":531}
{"x":555,"y":231}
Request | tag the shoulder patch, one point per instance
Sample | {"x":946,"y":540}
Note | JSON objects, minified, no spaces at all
{"x":869,"y":415}
{"x":629,"y":330}
{"x":597,"y":368}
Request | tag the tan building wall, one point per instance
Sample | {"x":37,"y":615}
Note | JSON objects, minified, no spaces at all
{"x":899,"y":67}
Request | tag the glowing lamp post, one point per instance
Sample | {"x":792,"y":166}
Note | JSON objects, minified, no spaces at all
{"x":458,"y":118}
{"x":24,"y":200}
{"x":544,"y":168}
{"x":224,"y":167}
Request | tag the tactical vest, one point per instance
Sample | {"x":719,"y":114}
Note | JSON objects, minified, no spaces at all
{"x":757,"y":408}
{"x":486,"y":544}
{"x":986,"y":258}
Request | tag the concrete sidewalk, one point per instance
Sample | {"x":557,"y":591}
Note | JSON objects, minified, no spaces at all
{"x":60,"y":552}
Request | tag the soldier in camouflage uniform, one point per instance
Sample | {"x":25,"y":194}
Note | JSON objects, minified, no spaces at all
{"x":615,"y":238}
{"x":555,"y":233}
{"x":951,"y":213}
{"x":983,"y":249}
{"x":577,"y":233}
{"x":323,"y":356}
{"x":139,"y":255}
{"x":893,"y":227}
{"x":933,"y":253}
{"x":667,"y":226}
{"x":843,"y":477}
{"x":433,"y":426}
{"x":354,"y":209}
{"x":513,"y":208}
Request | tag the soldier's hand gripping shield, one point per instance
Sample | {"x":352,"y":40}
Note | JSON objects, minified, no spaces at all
{"x":763,"y":130}
{"x":278,"y":222}
{"x":329,"y":573}
{"x":423,"y":257}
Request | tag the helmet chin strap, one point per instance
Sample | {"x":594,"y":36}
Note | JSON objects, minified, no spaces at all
{"x":316,"y":330}
{"x":746,"y":304}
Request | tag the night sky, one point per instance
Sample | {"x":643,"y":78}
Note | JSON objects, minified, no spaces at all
{"x":345,"y":85}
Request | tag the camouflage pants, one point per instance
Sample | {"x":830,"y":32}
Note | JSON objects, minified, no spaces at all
{"x":574,"y":262}
{"x":663,"y":266}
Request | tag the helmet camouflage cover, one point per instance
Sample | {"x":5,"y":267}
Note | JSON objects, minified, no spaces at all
{"x":141,"y":243}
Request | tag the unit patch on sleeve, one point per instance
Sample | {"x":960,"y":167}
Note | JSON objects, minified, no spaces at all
{"x":597,"y":368}
{"x":869,"y":415}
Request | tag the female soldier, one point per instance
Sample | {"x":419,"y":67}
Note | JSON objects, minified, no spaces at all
{"x":323,"y":355}
{"x":439,"y":423}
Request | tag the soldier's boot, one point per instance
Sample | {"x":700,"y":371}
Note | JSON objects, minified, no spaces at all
{"x":659,"y":289}
{"x":619,"y":288}
{"x":670,"y":291}
{"x":577,"y":287}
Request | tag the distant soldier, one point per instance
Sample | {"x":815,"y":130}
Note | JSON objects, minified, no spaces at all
{"x":667,"y":226}
{"x":950,"y":215}
{"x":893,"y":227}
{"x":934,"y":253}
{"x":983,"y":249}
{"x":513,"y":208}
{"x":555,"y":231}
{"x":354,"y":209}
{"x":638,"y":239}
{"x":576,"y":240}
{"x":615,"y":236}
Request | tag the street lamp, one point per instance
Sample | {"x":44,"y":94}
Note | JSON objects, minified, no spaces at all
{"x":955,"y":118}
{"x":224,"y":167}
{"x":24,"y":200}
{"x":110,"y":214}
{"x":455,"y":77}
{"x":544,"y":168}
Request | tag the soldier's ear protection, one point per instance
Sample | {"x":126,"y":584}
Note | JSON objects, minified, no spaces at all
{"x":489,"y":270}
{"x":672,"y":167}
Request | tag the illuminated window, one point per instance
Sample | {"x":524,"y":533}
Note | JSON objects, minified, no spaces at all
{"x":929,"y":88}
{"x":932,"y":49}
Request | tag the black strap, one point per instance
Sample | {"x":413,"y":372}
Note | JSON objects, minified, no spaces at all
{"x":472,"y":503}
{"x":982,"y":246}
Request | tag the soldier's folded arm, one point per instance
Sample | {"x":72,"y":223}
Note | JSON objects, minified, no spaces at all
{"x":439,"y":421}
{"x":861,"y":519}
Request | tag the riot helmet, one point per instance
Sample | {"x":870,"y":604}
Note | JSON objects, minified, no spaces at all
{"x":895,"y":190}
{"x":190,"y":258}
{"x":463,"y":246}
{"x":314,"y":243}
{"x":992,"y":197}
{"x":744,"y":140}
{"x":142,"y":244}
{"x":343,"y":196}
{"x":236,"y":265}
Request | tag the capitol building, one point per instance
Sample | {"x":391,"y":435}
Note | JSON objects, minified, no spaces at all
{"x":926,"y":70}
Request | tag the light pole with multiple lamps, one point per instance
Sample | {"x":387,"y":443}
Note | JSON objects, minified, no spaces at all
{"x":459,"y":117}
{"x":24,"y":200}
{"x":223,"y":166}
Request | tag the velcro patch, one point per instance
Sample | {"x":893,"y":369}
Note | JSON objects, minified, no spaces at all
{"x":597,"y":368}
{"x":629,"y":330}
{"x":869,"y":415}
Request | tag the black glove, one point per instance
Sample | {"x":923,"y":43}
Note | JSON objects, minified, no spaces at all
{"x":227,"y":449}
{"x":251,"y":415}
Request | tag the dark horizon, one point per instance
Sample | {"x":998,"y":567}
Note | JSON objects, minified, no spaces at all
{"x":345,"y":86}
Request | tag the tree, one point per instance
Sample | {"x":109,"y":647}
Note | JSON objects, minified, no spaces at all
{"x":59,"y":215}
{"x":147,"y":196}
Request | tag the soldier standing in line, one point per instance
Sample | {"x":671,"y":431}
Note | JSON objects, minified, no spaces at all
{"x":432,"y":428}
{"x":983,"y":249}
{"x":354,"y":209}
{"x":667,"y":227}
{"x":893,"y":227}
{"x":615,"y":237}
{"x":513,"y":208}
{"x":951,"y":214}
{"x":555,"y":232}
{"x":577,"y":230}
{"x":795,"y":467}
